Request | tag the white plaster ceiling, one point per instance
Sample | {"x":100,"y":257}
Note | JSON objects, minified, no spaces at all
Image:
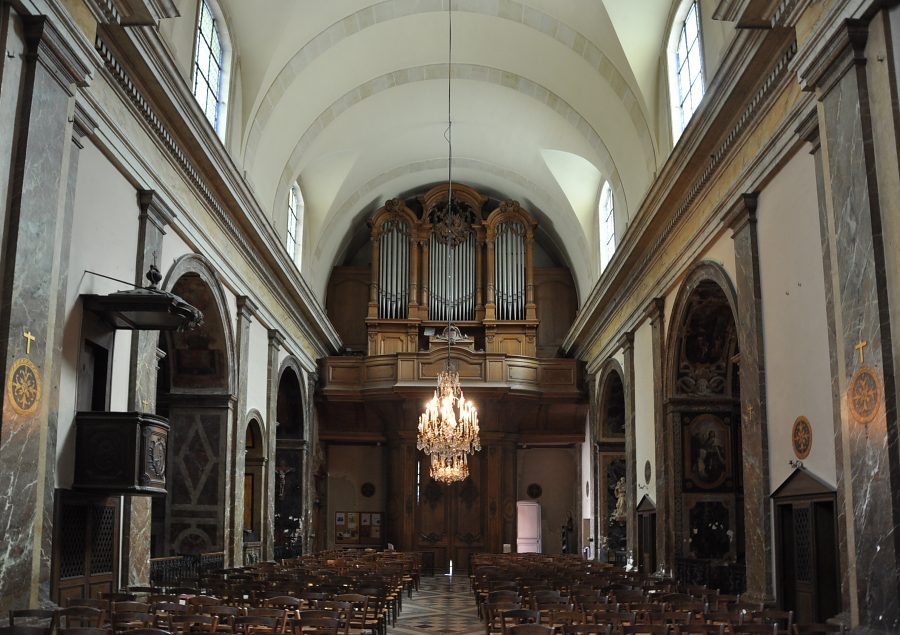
{"x":549,"y":99}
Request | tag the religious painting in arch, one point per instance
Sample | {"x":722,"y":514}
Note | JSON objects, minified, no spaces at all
{"x":611,"y":517}
{"x":290,"y":519}
{"x":194,"y":390}
{"x":704,"y":415}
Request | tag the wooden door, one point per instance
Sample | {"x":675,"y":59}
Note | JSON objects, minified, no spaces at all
{"x":85,"y":561}
{"x":647,"y":541}
{"x":450,"y":519}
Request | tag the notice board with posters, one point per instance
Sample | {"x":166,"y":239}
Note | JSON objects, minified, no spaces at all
{"x":358,"y":528}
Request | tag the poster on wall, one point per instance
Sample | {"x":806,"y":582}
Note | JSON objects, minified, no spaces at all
{"x":357,"y":528}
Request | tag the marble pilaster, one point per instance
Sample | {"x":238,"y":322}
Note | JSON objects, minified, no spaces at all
{"x":866,"y":432}
{"x":234,"y":536}
{"x":154,"y":216}
{"x":276,"y":342}
{"x":35,"y":256}
{"x":754,"y":437}
{"x":631,"y":541}
{"x":665,"y":538}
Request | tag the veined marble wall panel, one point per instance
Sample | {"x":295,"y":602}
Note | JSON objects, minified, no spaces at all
{"x":104,"y":239}
{"x":644,"y":427}
{"x":257,"y":367}
{"x":795,"y":336}
{"x":587,"y":474}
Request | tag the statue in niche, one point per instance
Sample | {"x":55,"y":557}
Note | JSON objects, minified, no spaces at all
{"x":619,"y":514}
{"x":281,"y":473}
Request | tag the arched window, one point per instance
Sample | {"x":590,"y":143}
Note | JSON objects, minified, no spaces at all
{"x":212,"y":63}
{"x":295,"y":224}
{"x":607,"y":226}
{"x":685,"y":67}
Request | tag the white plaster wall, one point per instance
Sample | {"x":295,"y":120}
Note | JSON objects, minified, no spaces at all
{"x":349,"y":466}
{"x":257,"y":367}
{"x":721,"y":251}
{"x":554,"y":469}
{"x":798,"y":375}
{"x":715,"y":36}
{"x":108,"y":223}
{"x":178,"y":34}
{"x":644,"y":432}
{"x":173,"y":248}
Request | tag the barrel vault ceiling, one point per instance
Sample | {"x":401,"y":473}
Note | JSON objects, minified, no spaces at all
{"x":549,"y":99}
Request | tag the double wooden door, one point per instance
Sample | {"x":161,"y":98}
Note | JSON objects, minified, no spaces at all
{"x":450,"y":519}
{"x":86,"y":546}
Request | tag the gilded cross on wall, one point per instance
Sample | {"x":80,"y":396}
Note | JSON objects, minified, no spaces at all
{"x":861,"y":346}
{"x":29,"y":338}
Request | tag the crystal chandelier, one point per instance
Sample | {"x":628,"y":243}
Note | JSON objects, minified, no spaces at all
{"x":448,"y":429}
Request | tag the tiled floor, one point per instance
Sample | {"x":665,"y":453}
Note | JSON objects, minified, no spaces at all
{"x":443,"y":604}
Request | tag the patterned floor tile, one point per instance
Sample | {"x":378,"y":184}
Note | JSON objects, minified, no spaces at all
{"x":443,"y":604}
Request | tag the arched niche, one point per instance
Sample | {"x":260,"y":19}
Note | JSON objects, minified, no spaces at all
{"x":195,"y":385}
{"x":612,"y":465}
{"x":291,"y":517}
{"x":702,"y":388}
{"x":255,"y":458}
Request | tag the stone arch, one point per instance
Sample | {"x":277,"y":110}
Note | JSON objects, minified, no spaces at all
{"x":187,"y":273}
{"x":703,"y":430}
{"x":195,"y":390}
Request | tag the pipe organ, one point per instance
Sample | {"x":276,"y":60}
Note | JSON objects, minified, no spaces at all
{"x":471,"y":264}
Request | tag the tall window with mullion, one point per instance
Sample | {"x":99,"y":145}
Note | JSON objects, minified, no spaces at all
{"x":688,"y":70}
{"x":607,"y":226}
{"x":209,"y":65}
{"x":295,"y":224}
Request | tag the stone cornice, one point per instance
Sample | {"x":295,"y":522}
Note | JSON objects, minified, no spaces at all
{"x":246,"y":307}
{"x":678,"y":188}
{"x":243,"y":219}
{"x":843,"y":49}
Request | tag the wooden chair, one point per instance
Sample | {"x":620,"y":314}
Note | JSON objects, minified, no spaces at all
{"x":530,"y":629}
{"x":699,"y":629}
{"x":516,"y":617}
{"x":754,"y":629}
{"x":24,"y":630}
{"x":677,"y":617}
{"x":118,"y":596}
{"x":249,"y":624}
{"x":588,"y":629}
{"x":646,"y":629}
{"x":307,"y":624}
{"x":279,"y":615}
{"x":188,"y":623}
{"x":225,"y":616}
{"x":148,"y":631}
{"x":132,"y":620}
{"x":198,"y":603}
{"x":83,"y":630}
{"x":79,"y":617}
{"x":39,"y":618}
{"x":817,"y":629}
{"x":784,"y":619}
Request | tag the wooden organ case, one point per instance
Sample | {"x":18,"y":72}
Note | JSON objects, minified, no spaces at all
{"x":473,"y":265}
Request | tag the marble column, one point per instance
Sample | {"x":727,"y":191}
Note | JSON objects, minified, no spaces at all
{"x":311,"y":436}
{"x":153,"y":218}
{"x":631,"y":541}
{"x":276,"y":342}
{"x":32,"y":314}
{"x":665,"y":481}
{"x":741,"y":218}
{"x":865,"y":423}
{"x":234,"y":536}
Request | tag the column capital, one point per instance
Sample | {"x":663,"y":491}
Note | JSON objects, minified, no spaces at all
{"x":654,"y":310}
{"x":741,"y":213}
{"x":155,"y":209}
{"x":845,"y":48}
{"x":626,"y":342}
{"x":276,"y":339}
{"x":246,"y":308}
{"x":46,"y":44}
